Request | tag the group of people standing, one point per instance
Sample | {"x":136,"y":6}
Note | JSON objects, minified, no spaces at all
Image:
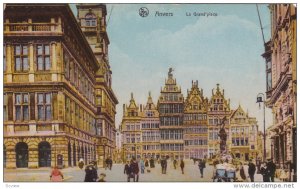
{"x":175,"y":162}
{"x":132,"y":170}
{"x":91,"y":174}
{"x":268,"y":170}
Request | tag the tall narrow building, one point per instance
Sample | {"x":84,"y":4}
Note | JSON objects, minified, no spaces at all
{"x":218,"y":109}
{"x":131,"y":130}
{"x":170,"y":106}
{"x":150,"y":130}
{"x":195,"y":124}
{"x":92,"y":20}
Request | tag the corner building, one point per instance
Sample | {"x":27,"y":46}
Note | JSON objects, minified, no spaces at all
{"x":49,"y":112}
{"x":50,"y":78}
{"x":195,"y":124}
{"x":281,"y":87}
{"x":170,"y":107}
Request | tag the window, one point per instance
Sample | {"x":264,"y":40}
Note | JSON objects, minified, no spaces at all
{"x":67,"y":65}
{"x":43,"y":57}
{"x":44,"y":106}
{"x":67,"y":110}
{"x":21,"y":107}
{"x":90,"y":20}
{"x":21,"y":58}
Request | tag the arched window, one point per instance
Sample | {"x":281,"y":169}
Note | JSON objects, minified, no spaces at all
{"x":44,"y":154}
{"x":21,"y":155}
{"x":90,"y":20}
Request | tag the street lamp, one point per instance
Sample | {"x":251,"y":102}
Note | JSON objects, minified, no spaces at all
{"x":261,"y":98}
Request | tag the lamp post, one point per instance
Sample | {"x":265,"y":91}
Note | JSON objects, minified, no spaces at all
{"x":261,"y":98}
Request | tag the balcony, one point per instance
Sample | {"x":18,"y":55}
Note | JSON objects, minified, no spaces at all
{"x":89,"y":28}
{"x":26,"y":28}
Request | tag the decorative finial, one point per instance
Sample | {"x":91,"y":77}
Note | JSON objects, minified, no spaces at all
{"x":170,"y":72}
{"x":149,"y":93}
{"x":218,"y":89}
{"x":131,"y":96}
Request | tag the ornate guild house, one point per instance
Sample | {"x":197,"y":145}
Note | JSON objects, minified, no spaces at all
{"x":58,"y":102}
{"x":188,"y":128}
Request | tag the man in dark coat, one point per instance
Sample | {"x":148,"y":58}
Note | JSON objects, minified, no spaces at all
{"x":264,"y":172}
{"x":152,"y":163}
{"x":91,"y":174}
{"x":164,"y":165}
{"x":251,"y":170}
{"x":127,"y":171}
{"x":182,"y":166}
{"x":110,"y":162}
{"x":134,"y":167}
{"x":271,"y":167}
{"x":201,"y":166}
{"x":107,"y":163}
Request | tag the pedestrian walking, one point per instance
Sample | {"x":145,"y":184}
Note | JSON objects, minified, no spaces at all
{"x":102,"y":177}
{"x":81,"y":163}
{"x":182,"y":166}
{"x":147,"y":165}
{"x":271,"y":167}
{"x":265,"y":172}
{"x":164,"y":165}
{"x":242,"y":172}
{"x":110,"y":161}
{"x":251,"y":170}
{"x":201,"y":166}
{"x":91,"y":172}
{"x":142,"y":166}
{"x":174,"y":163}
{"x":56,"y":175}
{"x":127,"y":171}
{"x":152,"y":163}
{"x":134,"y":167}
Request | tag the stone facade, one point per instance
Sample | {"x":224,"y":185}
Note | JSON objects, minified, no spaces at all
{"x":281,"y":92}
{"x":131,"y":130}
{"x":150,"y":130}
{"x":218,"y":109}
{"x":195,"y":124}
{"x":188,"y":129}
{"x":92,"y":20}
{"x":244,"y":136}
{"x":170,"y":107}
{"x":49,"y":85}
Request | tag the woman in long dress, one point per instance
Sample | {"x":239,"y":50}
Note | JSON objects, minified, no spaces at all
{"x":56,"y":175}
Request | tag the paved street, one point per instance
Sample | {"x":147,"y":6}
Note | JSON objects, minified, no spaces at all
{"x":191,"y":174}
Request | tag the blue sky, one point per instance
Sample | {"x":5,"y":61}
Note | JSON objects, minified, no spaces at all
{"x":224,"y":49}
